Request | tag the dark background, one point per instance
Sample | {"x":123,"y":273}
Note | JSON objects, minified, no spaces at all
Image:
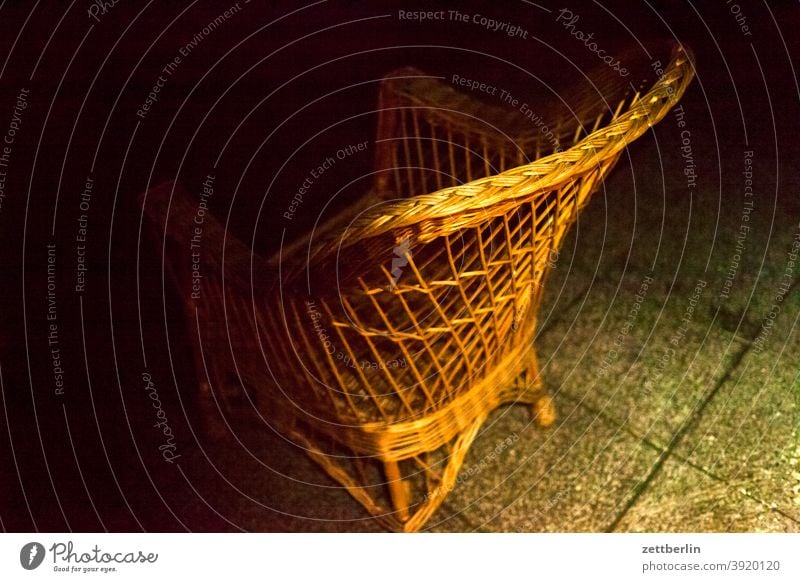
{"x":87,"y":460}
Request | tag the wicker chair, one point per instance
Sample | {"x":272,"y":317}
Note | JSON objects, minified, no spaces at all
{"x":382,"y":341}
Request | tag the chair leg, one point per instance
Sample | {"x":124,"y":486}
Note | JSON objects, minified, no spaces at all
{"x":397,"y":490}
{"x":543,"y":409}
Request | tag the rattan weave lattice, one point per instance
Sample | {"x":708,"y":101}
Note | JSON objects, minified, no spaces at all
{"x":423,"y":298}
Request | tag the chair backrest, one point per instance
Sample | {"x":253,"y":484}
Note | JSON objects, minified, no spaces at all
{"x":446,"y":161}
{"x":448,"y":281}
{"x":432,"y":136}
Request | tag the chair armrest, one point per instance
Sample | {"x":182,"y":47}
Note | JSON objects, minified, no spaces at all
{"x":171,"y":212}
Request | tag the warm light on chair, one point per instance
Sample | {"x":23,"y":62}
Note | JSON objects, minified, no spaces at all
{"x":424,"y":297}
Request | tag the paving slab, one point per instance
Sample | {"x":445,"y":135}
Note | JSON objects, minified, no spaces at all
{"x":268,"y":484}
{"x":572,"y":477}
{"x":646,"y":364}
{"x":684,"y":499}
{"x":749,"y":436}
